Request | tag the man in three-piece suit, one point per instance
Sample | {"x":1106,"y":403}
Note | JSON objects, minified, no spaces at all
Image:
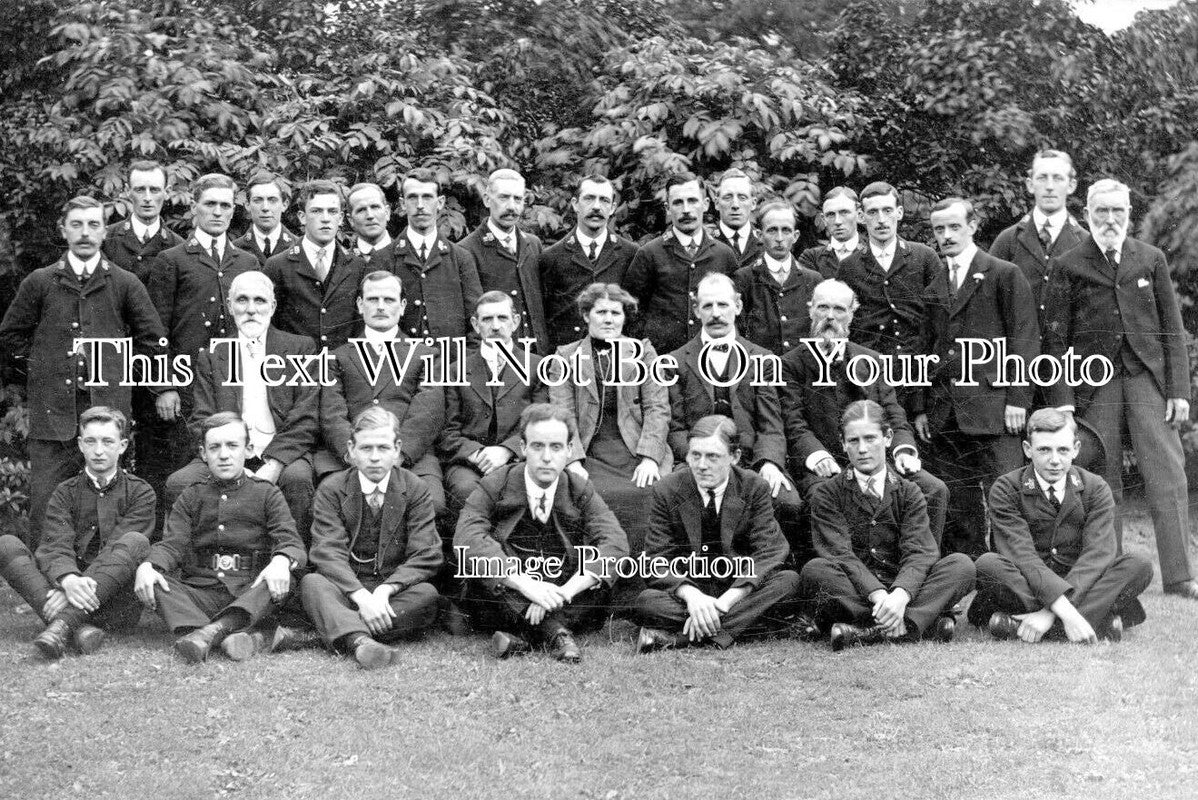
{"x":841,"y":214}
{"x":80,"y":295}
{"x":734,"y":203}
{"x":974,"y":430}
{"x":664,"y":273}
{"x":316,"y":281}
{"x":281,"y":418}
{"x":133,"y":244}
{"x":506,"y":257}
{"x":419,"y":406}
{"x":1055,"y":565}
{"x":369,"y":215}
{"x":375,"y":548}
{"x":440,"y":278}
{"x":712,"y":526}
{"x":589,"y":254}
{"x":267,"y":197}
{"x":1111,"y":296}
{"x":774,"y":288}
{"x":529,"y":521}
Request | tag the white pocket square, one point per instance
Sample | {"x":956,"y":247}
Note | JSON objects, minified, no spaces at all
{"x":1142,"y":283}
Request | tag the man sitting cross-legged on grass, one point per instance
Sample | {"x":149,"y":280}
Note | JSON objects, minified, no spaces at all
{"x":95,"y":534}
{"x":374,"y":547}
{"x":1056,"y":570}
{"x":234,"y":541}
{"x":519,"y":537}
{"x":713,"y":523}
{"x":877,"y":575}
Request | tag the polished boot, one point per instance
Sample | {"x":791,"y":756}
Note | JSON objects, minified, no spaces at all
{"x":943,"y":629}
{"x":88,"y":639}
{"x":846,"y":635}
{"x":505,"y":644}
{"x":52,"y":642}
{"x":242,"y":646}
{"x":561,"y":645}
{"x":369,"y":653}
{"x":1112,"y":630}
{"x":1003,"y":626}
{"x":650,"y":639}
{"x":193,"y":647}
{"x":286,"y":638}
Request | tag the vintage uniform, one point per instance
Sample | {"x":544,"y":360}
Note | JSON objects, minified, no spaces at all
{"x":441,"y":288}
{"x":515,"y":274}
{"x":567,"y":268}
{"x":775,"y":315}
{"x":324,"y":309}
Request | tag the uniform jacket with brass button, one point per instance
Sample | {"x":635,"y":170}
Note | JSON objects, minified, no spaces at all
{"x":325,"y":311}
{"x":123,"y":248}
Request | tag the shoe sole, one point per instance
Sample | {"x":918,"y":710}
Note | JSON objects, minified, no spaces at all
{"x":48,"y":650}
{"x":372,"y":656}
{"x":191,"y":652}
{"x":239,"y":646}
{"x":89,"y":641}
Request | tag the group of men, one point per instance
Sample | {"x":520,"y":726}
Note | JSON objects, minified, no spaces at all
{"x":261,"y":501}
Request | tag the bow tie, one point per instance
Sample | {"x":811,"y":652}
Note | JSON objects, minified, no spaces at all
{"x":722,"y":347}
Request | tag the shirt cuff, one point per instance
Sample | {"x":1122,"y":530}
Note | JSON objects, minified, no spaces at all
{"x":815,"y":458}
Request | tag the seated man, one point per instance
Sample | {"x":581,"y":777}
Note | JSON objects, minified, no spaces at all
{"x":1055,"y":570}
{"x":235,"y":544}
{"x":729,"y":509}
{"x":374,"y":548}
{"x":877,"y":564}
{"x":95,"y":534}
{"x":519,"y":538}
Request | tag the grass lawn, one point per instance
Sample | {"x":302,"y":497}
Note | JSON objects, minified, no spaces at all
{"x":973,"y":719}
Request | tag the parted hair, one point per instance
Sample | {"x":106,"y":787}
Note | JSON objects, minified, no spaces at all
{"x":680,"y":179}
{"x":313,"y":188}
{"x":494,"y":296}
{"x":1049,"y":420}
{"x":879,"y":189}
{"x":606,"y":291}
{"x":146,"y":165}
{"x":104,"y":414}
{"x":379,"y":275}
{"x":213,"y":180}
{"x":864,"y":410}
{"x":719,"y":426}
{"x":949,"y":202}
{"x":263,"y":178}
{"x":777,"y":204}
{"x":547,"y":412}
{"x":78,"y":203}
{"x":374,"y":418}
{"x":219,"y":420}
{"x":422,"y":175}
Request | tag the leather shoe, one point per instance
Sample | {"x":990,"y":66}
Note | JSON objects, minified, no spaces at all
{"x":1003,"y":626}
{"x":88,"y":639}
{"x":52,"y":642}
{"x":193,"y":647}
{"x":563,"y":647}
{"x":286,"y":638}
{"x":801,"y":627}
{"x":242,"y":645}
{"x":943,"y":629}
{"x":846,"y":635}
{"x":1186,"y":589}
{"x":370,"y":654}
{"x":1113,"y":630}
{"x":650,"y":639}
{"x":505,"y":644}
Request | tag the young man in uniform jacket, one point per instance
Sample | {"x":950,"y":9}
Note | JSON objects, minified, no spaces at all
{"x":506,"y":257}
{"x":1055,"y":569}
{"x":96,"y":533}
{"x":234,"y":544}
{"x":878,"y":574}
{"x":440,"y":278}
{"x":707,"y":520}
{"x":841,"y":213}
{"x":735,"y":204}
{"x":375,"y":548}
{"x":316,"y":281}
{"x":539,"y":515}
{"x":134,"y":244}
{"x":775,"y":290}
{"x":664,"y":272}
{"x":590,"y":253}
{"x":267,"y":197}
{"x":80,"y":295}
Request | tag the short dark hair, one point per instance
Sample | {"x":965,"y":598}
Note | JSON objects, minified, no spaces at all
{"x":361,"y":187}
{"x":213,"y":180}
{"x":777,"y":205}
{"x":546,"y":412}
{"x":219,"y":420}
{"x":864,"y":410}
{"x":146,"y":165}
{"x":263,"y":178}
{"x":594,"y":177}
{"x":606,"y":291}
{"x":422,"y":175}
{"x":1048,"y":153}
{"x":680,"y":179}
{"x":313,"y":188}
{"x":494,"y":296}
{"x":841,"y":191}
{"x":373,"y":418}
{"x":104,"y":414}
{"x":716,"y":425}
{"x":1049,"y":420}
{"x":879,"y":189}
{"x":79,"y":203}
{"x":949,"y":202}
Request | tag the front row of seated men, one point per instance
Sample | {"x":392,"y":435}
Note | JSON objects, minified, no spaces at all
{"x":540,"y":550}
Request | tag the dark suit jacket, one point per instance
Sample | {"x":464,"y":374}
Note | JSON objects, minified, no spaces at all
{"x":774,"y":316}
{"x":1020,"y":244}
{"x":747,"y":526}
{"x":1058,"y":552}
{"x":419,"y":407}
{"x":879,"y":544}
{"x":324,"y":311}
{"x":822,"y":260}
{"x":752,"y":251}
{"x":516,"y":275}
{"x":579,"y":516}
{"x":409,"y":549}
{"x":1096,"y":310}
{"x":662,"y":277}
{"x":249,"y":243}
{"x":812,"y":413}
{"x":643,"y":411}
{"x":566,"y":270}
{"x":292,"y":407}
{"x":441,"y":292}
{"x":122,"y":248}
{"x":755,"y":409}
{"x":469,"y":410}
{"x":52,"y":309}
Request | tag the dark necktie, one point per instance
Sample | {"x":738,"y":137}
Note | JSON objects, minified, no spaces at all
{"x":423,"y":252}
{"x":711,"y":521}
{"x":1046,"y":238}
{"x":1111,"y":258}
{"x":542,"y":512}
{"x":1052,"y":498}
{"x":691,"y":249}
{"x":736,"y":241}
{"x":594,"y":250}
{"x":268,"y":249}
{"x":375,"y":500}
{"x":212,"y":252}
{"x":722,"y":347}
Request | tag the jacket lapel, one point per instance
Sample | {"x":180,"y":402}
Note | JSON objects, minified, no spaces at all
{"x":351,"y":508}
{"x":971,"y":284}
{"x":731,"y":509}
{"x":395,"y":503}
{"x":690,"y":510}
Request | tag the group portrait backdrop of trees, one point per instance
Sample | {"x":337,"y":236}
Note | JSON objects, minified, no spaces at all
{"x":937,"y":97}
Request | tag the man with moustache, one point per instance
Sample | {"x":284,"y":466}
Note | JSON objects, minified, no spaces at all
{"x":841,"y":214}
{"x":80,"y":295}
{"x":316,"y":281}
{"x":267,"y":197}
{"x":440,"y":278}
{"x":369,"y":213}
{"x":664,"y":273}
{"x":974,"y":430}
{"x":506,"y":256}
{"x":811,"y":412}
{"x":735,"y":204}
{"x":134,"y":244}
{"x":589,"y":254}
{"x":1112,"y":296}
{"x":775,"y":290}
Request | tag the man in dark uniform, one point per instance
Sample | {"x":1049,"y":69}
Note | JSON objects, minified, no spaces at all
{"x":506,"y":257}
{"x":369,"y":214}
{"x":440,"y":278}
{"x":234,"y":542}
{"x":841,"y":214}
{"x":1055,"y":568}
{"x":80,"y":295}
{"x":316,"y":281}
{"x":133,"y":244}
{"x":775,"y":290}
{"x":375,"y":548}
{"x":664,"y":273}
{"x":878,"y":574}
{"x":734,"y":203}
{"x":588,"y":254}
{"x":267,"y":198}
{"x":537,"y":515}
{"x":96,"y":533}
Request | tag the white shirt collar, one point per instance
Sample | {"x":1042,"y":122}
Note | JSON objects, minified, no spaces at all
{"x":863,"y":480}
{"x":368,"y":486}
{"x":376,"y":337}
{"x":745,"y":231}
{"x":705,"y":337}
{"x":1059,"y":486}
{"x":310,"y":248}
{"x":965,"y":258}
{"x":245,"y":340}
{"x":851,"y":244}
{"x":417,"y":239}
{"x":1056,"y":221}
{"x":95,"y":479}
{"x":1118,"y":245}
{"x":83,"y":267}
{"x":206,"y":240}
{"x":686,"y":240}
{"x":362,"y":246}
{"x":503,"y":235}
{"x":585,"y":240}
{"x":275,"y":236}
{"x":886,"y":252}
{"x":534,"y":492}
{"x":719,"y":493}
{"x":778,"y":268}
{"x":143,"y":231}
